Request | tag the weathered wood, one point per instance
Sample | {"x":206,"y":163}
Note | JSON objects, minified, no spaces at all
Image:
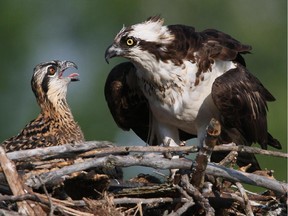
{"x":197,"y":195}
{"x":57,"y":166}
{"x":67,"y":150}
{"x":249,"y":149}
{"x":17,"y":186}
{"x":4,"y":212}
{"x":158,"y":162}
{"x":213,"y":130}
{"x":247,"y":206}
{"x":102,"y":148}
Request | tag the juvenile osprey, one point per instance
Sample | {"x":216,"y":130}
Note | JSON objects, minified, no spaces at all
{"x":177,"y":79}
{"x":55,"y":124}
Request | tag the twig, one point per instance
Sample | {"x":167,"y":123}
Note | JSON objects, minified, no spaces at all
{"x":247,"y":206}
{"x":201,"y":200}
{"x":186,"y":205}
{"x":247,"y":178}
{"x":78,"y":203}
{"x":22,"y":197}
{"x":17,"y":186}
{"x":183,"y":192}
{"x":229,"y":159}
{"x":213,"y":130}
{"x":249,"y":149}
{"x":51,"y":206}
{"x":127,"y":200}
{"x":139,"y":208}
{"x":181,"y":210}
{"x":60,"y":205}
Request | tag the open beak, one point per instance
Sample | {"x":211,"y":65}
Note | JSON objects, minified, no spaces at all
{"x":69,"y":64}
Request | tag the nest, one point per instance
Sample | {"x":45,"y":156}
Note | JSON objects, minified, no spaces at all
{"x":86,"y":179}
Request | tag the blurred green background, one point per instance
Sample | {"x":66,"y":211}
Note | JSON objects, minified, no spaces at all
{"x":36,"y":31}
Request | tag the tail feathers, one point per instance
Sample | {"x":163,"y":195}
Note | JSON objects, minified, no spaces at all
{"x":273,"y":142}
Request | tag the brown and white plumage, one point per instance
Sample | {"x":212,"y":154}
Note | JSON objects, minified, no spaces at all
{"x":182,"y":79}
{"x":128,"y":105}
{"x":55,"y":125}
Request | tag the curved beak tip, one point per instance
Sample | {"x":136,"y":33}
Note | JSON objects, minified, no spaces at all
{"x":111,"y":52}
{"x":69,"y":64}
{"x":107,"y":55}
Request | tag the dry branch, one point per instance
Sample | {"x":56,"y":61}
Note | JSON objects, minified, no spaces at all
{"x":67,"y":150}
{"x":197,"y":195}
{"x":60,"y":205}
{"x":249,"y":149}
{"x":102,"y":148}
{"x":247,"y":205}
{"x":213,"y":130}
{"x":127,"y":200}
{"x":16,"y":184}
{"x":157,"y":162}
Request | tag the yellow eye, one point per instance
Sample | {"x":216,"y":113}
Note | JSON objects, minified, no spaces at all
{"x":130,"y":42}
{"x":51,"y":70}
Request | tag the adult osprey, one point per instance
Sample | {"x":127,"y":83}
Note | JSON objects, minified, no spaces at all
{"x":178,"y":79}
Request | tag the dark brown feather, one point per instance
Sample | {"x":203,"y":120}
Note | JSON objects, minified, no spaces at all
{"x":242,"y":101}
{"x":209,"y":44}
{"x":126,"y":102}
{"x":128,"y":105}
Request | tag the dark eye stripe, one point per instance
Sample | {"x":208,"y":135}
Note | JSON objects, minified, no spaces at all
{"x":45,"y":82}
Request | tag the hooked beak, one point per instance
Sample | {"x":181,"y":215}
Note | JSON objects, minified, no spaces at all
{"x":69,"y":64}
{"x":112,"y":51}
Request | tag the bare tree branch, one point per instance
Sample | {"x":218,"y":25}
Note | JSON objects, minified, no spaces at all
{"x":158,"y":162}
{"x":195,"y":193}
{"x":247,"y":205}
{"x":213,"y":130}
{"x":102,"y":148}
{"x":249,"y":149}
{"x":60,"y":205}
{"x":127,"y":200}
{"x":26,"y":155}
{"x":17,"y":187}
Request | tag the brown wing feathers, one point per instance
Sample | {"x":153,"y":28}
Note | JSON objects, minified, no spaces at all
{"x":209,"y":44}
{"x":242,"y":102}
{"x":128,"y":105}
{"x":126,"y":102}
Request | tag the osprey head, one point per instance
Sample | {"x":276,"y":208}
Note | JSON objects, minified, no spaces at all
{"x":48,"y":81}
{"x":131,"y":42}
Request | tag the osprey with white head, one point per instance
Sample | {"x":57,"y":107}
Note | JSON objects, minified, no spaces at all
{"x":177,"y":79}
